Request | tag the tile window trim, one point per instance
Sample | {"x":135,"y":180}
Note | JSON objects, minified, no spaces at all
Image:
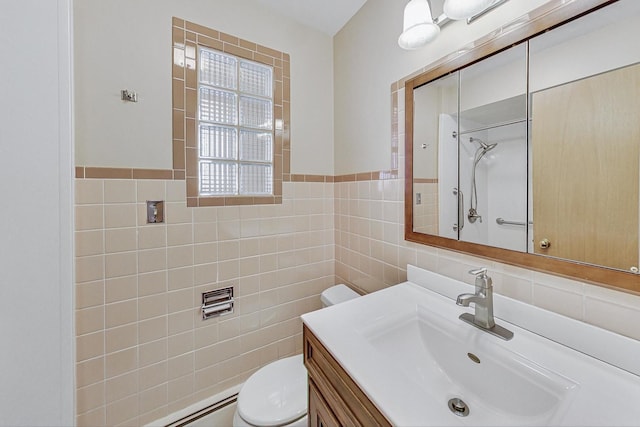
{"x":186,"y":38}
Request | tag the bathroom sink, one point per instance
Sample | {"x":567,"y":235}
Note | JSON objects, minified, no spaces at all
{"x":457,"y":364}
{"x":407,"y":349}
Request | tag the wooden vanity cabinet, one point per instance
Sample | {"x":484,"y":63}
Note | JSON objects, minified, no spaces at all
{"x":334,"y":398}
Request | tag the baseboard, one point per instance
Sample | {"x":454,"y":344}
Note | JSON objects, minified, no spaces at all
{"x":204,"y":412}
{"x":198,"y":410}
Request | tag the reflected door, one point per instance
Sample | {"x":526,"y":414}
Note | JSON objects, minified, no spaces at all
{"x":585,"y":137}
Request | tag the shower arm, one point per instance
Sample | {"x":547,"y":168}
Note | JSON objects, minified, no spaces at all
{"x":473,"y":202}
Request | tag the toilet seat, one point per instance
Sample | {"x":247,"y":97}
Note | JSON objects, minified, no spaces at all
{"x":275,"y":394}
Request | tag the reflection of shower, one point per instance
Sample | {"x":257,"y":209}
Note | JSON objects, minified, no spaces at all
{"x":480,"y":152}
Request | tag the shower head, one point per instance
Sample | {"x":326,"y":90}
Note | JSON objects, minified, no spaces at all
{"x":482,"y":150}
{"x":485,"y":147}
{"x":489,"y":147}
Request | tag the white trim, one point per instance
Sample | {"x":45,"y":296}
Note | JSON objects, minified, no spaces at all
{"x":196,"y":407}
{"x":66,"y":217}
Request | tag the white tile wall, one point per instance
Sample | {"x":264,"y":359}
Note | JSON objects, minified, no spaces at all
{"x":371,"y":254}
{"x":142,"y":349}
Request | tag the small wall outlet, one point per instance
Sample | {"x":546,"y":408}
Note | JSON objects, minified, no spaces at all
{"x":155,"y":211}
{"x":418,"y":198}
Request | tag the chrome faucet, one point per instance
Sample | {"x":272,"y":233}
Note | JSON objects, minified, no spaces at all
{"x":483,"y":304}
{"x":483,"y":299}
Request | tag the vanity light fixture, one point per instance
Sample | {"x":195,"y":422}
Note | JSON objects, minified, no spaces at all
{"x":419,"y":27}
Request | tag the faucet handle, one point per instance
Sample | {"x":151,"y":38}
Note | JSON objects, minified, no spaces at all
{"x":482,"y":271}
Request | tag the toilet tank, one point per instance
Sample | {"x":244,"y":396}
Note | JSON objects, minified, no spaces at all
{"x":337,"y":294}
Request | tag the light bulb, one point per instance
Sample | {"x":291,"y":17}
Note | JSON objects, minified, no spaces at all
{"x":418,"y":28}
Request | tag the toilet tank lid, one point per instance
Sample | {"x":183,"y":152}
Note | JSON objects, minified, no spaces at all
{"x":337,"y":294}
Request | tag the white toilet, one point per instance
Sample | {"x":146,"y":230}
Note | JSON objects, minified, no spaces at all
{"x":276,"y":394}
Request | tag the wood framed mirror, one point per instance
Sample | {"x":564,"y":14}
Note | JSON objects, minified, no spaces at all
{"x":568,"y":137}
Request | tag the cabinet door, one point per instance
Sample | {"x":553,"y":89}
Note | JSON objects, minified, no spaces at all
{"x":585,"y":169}
{"x":341,"y":401}
{"x":319,"y":413}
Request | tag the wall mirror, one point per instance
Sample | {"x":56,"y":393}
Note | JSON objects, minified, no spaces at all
{"x":526,"y":148}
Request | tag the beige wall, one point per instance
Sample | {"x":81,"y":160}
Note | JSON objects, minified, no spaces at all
{"x":143,"y":350}
{"x":122,"y":44}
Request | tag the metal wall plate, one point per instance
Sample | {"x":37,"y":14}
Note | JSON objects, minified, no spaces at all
{"x":217,"y":302}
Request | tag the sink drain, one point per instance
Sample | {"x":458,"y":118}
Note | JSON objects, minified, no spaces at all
{"x":458,"y":407}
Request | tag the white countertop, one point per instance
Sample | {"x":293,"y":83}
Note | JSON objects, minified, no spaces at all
{"x":395,"y":377}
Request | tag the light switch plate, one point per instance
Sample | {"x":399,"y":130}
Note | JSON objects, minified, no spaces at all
{"x":155,"y":211}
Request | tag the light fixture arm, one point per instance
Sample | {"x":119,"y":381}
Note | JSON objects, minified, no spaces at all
{"x":492,"y":6}
{"x":442,"y":20}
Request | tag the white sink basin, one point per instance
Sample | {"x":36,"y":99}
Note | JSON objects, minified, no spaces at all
{"x":443,"y":353}
{"x":409,"y":352}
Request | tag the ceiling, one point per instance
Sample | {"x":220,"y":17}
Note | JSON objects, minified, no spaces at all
{"x":328,"y":16}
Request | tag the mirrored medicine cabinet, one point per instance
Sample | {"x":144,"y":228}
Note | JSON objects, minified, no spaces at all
{"x":526,"y":148}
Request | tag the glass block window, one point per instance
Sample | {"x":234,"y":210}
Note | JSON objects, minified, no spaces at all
{"x":235,"y":125}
